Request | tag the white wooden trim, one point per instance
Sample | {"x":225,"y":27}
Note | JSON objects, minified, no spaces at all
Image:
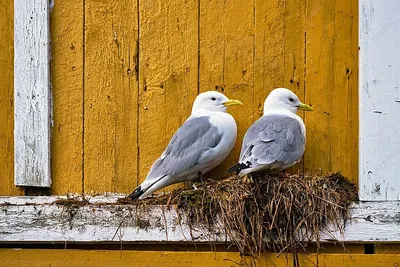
{"x":31,"y":93}
{"x":379,"y":93}
{"x":38,"y":219}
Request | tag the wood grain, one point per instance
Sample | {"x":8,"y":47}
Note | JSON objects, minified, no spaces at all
{"x":32,"y":93}
{"x":331,"y":77}
{"x":110,"y":96}
{"x":60,"y":221}
{"x":279,"y":52}
{"x":168,"y":73}
{"x":227,"y":61}
{"x":379,"y":100}
{"x":67,"y":89}
{"x":125,"y":75}
{"x":7,"y":186}
{"x":110,"y":258}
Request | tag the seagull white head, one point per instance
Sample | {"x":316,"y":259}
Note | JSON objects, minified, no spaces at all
{"x":213,"y":101}
{"x":284,"y":99}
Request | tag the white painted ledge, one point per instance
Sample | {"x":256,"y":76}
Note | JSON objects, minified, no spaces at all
{"x":38,"y":219}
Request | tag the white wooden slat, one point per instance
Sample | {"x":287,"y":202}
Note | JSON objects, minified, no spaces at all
{"x":22,"y":219}
{"x":31,"y":93}
{"x":379,"y":98}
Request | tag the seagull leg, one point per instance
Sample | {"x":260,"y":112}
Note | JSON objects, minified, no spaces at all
{"x":201,"y":177}
{"x":247,"y":179}
{"x":201,"y":180}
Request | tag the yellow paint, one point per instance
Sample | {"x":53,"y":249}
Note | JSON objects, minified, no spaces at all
{"x":387,"y":248}
{"x":67,"y":89}
{"x":331,"y":87}
{"x":7,"y":99}
{"x":125,"y":74}
{"x":227,"y":61}
{"x":279,"y":55}
{"x":168,"y":74}
{"x":110,"y":258}
{"x":110,"y":96}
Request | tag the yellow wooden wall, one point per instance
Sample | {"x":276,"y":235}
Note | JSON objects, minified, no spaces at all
{"x":116,"y":258}
{"x":125,"y":74}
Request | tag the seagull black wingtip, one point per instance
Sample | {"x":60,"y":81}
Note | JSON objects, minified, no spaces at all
{"x":237,"y":168}
{"x":136,"y":194}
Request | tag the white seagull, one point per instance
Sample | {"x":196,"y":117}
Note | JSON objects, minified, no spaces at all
{"x":199,"y":145}
{"x":277,"y":140}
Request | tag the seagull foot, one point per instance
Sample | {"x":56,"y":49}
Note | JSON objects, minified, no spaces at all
{"x":247,"y":179}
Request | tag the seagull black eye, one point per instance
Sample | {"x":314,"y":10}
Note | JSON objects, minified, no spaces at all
{"x":213,"y":98}
{"x":291,"y":99}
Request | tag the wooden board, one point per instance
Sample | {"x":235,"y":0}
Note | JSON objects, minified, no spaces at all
{"x":168,"y":74}
{"x":227,"y":61}
{"x":32,"y":93}
{"x":109,"y":258}
{"x":279,"y":52}
{"x":40,"y":219}
{"x":110,"y":96}
{"x":379,"y":100}
{"x":67,"y":90}
{"x":331,"y":87}
{"x":118,"y":99}
{"x":7,"y":186}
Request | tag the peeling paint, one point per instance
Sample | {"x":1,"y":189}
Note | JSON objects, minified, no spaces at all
{"x":378,"y":114}
{"x":32,"y":108}
{"x":109,"y":222}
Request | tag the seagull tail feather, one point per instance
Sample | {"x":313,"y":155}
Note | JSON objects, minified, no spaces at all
{"x":137,"y":193}
{"x":238,"y":167}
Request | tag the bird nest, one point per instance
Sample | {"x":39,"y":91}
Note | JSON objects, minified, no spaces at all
{"x":275,"y":212}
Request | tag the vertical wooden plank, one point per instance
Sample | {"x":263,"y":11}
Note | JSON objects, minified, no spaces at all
{"x":379,"y":100}
{"x":110,"y":96}
{"x":7,"y":186}
{"x":31,"y":93}
{"x":279,"y":51}
{"x":331,"y":68}
{"x":67,"y":88}
{"x":227,"y":60}
{"x":168,"y":73}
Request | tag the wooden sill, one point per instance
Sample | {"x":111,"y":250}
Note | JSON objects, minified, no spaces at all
{"x":39,"y":219}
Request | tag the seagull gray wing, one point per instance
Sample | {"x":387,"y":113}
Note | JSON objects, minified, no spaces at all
{"x":273,"y":138}
{"x":185,"y":148}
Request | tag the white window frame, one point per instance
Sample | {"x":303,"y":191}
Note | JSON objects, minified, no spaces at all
{"x":374,"y":219}
{"x":32,"y":107}
{"x":379,"y":99}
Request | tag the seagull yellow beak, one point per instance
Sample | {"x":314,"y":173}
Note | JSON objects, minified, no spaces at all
{"x":233,"y":102}
{"x":305,"y":107}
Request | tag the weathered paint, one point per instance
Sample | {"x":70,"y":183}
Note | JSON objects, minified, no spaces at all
{"x":67,"y":91}
{"x":331,"y":87}
{"x":125,"y":75}
{"x":226,"y":60}
{"x":279,"y":52}
{"x":7,"y":186}
{"x":83,"y":258}
{"x":32,"y":93}
{"x":379,"y":100}
{"x":39,"y":219}
{"x":110,"y":97}
{"x":168,"y":74}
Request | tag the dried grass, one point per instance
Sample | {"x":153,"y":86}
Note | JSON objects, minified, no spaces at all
{"x":276,"y":212}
